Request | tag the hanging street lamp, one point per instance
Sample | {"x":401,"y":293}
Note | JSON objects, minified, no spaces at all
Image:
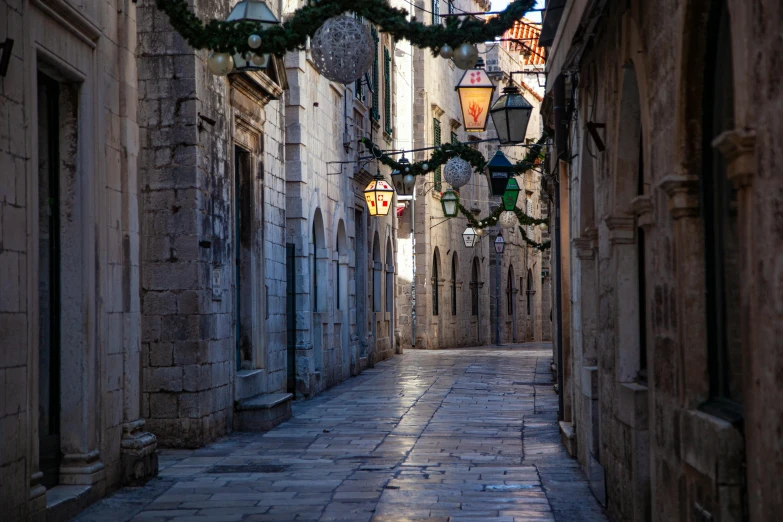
{"x":378,"y":195}
{"x":500,"y":244}
{"x":475,"y":91}
{"x":511,"y":114}
{"x":498,"y":173}
{"x":402,"y":179}
{"x":258,"y":12}
{"x":510,"y":195}
{"x":450,"y":203}
{"x":470,"y":237}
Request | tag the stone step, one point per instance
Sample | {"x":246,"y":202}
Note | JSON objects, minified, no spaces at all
{"x":262,"y":412}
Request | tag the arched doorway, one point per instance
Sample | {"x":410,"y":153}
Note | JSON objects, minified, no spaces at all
{"x":318,"y":286}
{"x":341,"y":298}
{"x":475,"y":310}
{"x":390,"y":291}
{"x":510,"y":308}
{"x":377,"y":301}
{"x":529,"y":293}
{"x":435,"y":280}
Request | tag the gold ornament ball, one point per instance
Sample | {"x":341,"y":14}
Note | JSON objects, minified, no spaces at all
{"x":220,"y":64}
{"x":259,"y":60}
{"x":446,"y":51}
{"x":466,"y":56}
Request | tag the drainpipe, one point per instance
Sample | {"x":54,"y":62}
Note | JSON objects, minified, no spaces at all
{"x":560,"y":145}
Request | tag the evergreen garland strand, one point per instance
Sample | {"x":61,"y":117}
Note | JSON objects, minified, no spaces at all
{"x":443,"y":153}
{"x":231,"y":37}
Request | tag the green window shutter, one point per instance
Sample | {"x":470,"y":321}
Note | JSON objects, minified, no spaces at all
{"x":435,"y":12}
{"x":436,"y":142}
{"x":387,"y":104}
{"x":454,"y":138}
{"x":376,"y":73}
{"x":451,"y":6}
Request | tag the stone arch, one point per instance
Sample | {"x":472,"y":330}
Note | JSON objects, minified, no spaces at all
{"x":376,"y":273}
{"x":529,"y":293}
{"x":390,"y":288}
{"x":511,"y":309}
{"x":341,"y":276}
{"x":319,"y":275}
{"x":475,"y":296}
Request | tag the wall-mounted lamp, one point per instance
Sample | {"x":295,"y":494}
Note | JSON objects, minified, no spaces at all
{"x":5,"y":59}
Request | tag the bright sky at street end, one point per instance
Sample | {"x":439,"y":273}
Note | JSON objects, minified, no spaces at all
{"x":499,"y":5}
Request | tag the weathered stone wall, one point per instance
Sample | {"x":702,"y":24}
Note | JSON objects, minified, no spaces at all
{"x":339,"y":328}
{"x":87,"y":50}
{"x":669,"y":451}
{"x":434,"y":81}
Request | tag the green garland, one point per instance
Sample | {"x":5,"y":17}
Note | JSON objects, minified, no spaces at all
{"x":231,"y":37}
{"x":493,"y":217}
{"x":445,"y":152}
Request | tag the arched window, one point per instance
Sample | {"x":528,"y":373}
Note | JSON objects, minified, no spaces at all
{"x":435,"y":279}
{"x":720,"y":218}
{"x":454,"y":284}
{"x":529,"y":292}
{"x":474,"y":288}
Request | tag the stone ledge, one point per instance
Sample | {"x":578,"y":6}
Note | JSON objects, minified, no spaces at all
{"x":262,"y":412}
{"x":568,"y":437}
{"x":632,"y":405}
{"x":712,"y":446}
{"x":64,"y":502}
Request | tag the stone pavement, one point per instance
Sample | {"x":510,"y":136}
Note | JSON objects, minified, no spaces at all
{"x":449,"y":435}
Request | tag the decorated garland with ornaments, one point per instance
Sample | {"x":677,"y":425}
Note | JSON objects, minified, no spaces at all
{"x":251,"y":36}
{"x":492,"y":219}
{"x":443,"y":153}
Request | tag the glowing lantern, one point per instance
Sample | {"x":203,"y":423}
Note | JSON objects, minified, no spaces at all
{"x":475,"y":91}
{"x":378,"y":195}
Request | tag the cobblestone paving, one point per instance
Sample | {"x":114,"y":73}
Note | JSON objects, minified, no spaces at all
{"x":450,"y":435}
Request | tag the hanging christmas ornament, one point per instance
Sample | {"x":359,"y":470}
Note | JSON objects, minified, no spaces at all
{"x":260,"y":60}
{"x":409,"y":180}
{"x":342,"y":49}
{"x":507,"y":219}
{"x":457,"y":172}
{"x":425,"y":166}
{"x":446,"y":51}
{"x":220,"y":64}
{"x":466,"y":56}
{"x":254,"y":41}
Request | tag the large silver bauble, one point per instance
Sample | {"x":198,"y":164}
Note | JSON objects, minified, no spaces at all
{"x":507,"y":219}
{"x":446,"y":51}
{"x":254,"y":41}
{"x":342,"y":49}
{"x":220,"y":64}
{"x":409,"y":180}
{"x":457,"y":172}
{"x":465,"y":56}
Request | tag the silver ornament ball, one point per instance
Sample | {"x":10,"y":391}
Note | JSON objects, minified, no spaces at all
{"x":466,"y":56}
{"x":425,"y":166}
{"x":409,"y":180}
{"x":254,"y":41}
{"x":342,"y":49}
{"x":507,"y":219}
{"x":220,"y":64}
{"x":457,"y":172}
{"x":446,"y":51}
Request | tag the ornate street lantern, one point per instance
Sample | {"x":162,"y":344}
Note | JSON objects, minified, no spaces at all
{"x":402,"y":179}
{"x":500,"y":244}
{"x":378,"y":195}
{"x":511,"y":194}
{"x":498,"y":173}
{"x":511,"y":114}
{"x":450,"y":202}
{"x":475,"y":91}
{"x":252,"y":11}
{"x":470,"y":237}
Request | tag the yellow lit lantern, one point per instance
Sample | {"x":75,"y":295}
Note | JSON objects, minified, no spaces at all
{"x":475,"y":91}
{"x":379,"y":194}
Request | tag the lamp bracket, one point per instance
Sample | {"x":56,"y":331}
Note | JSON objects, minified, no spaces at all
{"x":592,"y":129}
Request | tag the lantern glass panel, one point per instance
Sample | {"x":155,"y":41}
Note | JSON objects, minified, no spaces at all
{"x":398,"y":179}
{"x":469,"y":237}
{"x":498,"y":172}
{"x":449,"y":200}
{"x":378,"y":196}
{"x":500,"y":244}
{"x":510,"y":195}
{"x":475,"y":91}
{"x":511,"y":115}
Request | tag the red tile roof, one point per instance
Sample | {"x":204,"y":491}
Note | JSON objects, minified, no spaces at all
{"x":528,"y":32}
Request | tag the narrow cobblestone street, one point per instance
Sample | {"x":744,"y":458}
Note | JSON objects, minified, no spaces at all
{"x":447,"y":435}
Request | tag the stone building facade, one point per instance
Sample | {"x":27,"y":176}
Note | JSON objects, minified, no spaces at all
{"x":455,"y":286}
{"x":667,"y":173}
{"x":71,"y":420}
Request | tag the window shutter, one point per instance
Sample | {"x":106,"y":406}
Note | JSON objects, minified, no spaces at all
{"x":435,"y":12}
{"x":387,"y":118}
{"x":530,"y":213}
{"x":375,"y":113}
{"x":436,"y":142}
